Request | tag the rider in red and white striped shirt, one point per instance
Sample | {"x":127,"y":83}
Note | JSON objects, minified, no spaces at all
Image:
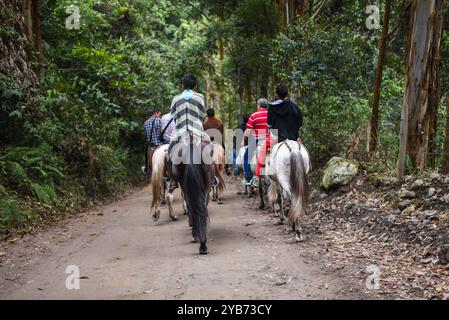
{"x":258,"y":127}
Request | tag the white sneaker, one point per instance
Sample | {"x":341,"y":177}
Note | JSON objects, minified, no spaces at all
{"x":255,"y":182}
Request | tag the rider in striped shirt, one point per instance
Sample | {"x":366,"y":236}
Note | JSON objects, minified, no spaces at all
{"x":258,"y":128}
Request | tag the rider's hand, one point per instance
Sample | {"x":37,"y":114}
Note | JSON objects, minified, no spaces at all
{"x":299,"y":140}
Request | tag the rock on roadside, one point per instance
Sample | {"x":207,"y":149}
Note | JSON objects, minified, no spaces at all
{"x":338,"y":172}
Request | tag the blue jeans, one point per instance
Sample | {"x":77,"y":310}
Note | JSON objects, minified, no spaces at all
{"x":252,"y":144}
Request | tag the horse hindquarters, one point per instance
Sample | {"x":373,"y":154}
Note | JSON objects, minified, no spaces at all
{"x":300,"y":188}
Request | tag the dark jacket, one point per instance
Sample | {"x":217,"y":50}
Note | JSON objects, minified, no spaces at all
{"x":286,"y":117}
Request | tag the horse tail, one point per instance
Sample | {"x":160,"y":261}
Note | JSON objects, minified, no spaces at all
{"x":219,"y":166}
{"x":196,"y":187}
{"x":299,"y":183}
{"x":157,"y":175}
{"x":272,"y":193}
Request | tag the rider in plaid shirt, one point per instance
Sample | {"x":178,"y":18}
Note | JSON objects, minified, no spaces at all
{"x":152,"y":132}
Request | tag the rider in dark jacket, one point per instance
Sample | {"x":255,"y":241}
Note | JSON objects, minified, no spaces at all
{"x":284,"y":116}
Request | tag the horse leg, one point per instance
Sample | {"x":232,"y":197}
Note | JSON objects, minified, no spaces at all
{"x":214,"y":194}
{"x":203,"y":247}
{"x":171,"y":211}
{"x":281,"y":206}
{"x":261,"y":193}
{"x":184,"y":204}
{"x":298,"y":230}
{"x":220,"y":196}
{"x":164,"y":192}
{"x":156,"y":213}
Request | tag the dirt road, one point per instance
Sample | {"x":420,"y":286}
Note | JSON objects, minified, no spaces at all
{"x":122,"y":254}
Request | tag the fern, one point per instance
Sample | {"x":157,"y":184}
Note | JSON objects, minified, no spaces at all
{"x":18,"y":173}
{"x":45,"y":193}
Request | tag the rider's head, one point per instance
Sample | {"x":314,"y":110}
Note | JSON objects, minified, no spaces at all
{"x":282,"y":91}
{"x":156,"y":113}
{"x":210,"y":112}
{"x":189,"y":82}
{"x":262,"y":103}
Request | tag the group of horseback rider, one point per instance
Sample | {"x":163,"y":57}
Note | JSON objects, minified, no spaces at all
{"x":189,"y":117}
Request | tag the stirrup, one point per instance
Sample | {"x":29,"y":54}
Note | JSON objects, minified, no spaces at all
{"x":173,"y":184}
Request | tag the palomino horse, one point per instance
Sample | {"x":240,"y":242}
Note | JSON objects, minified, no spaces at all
{"x":253,"y":164}
{"x":193,"y":169}
{"x":219,"y":169}
{"x":160,"y":185}
{"x":287,"y":167}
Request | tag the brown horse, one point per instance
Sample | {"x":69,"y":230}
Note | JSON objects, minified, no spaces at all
{"x":195,"y":175}
{"x":219,"y":169}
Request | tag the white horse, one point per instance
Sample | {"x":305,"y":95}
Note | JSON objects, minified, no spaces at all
{"x":287,"y":167}
{"x":159,"y":184}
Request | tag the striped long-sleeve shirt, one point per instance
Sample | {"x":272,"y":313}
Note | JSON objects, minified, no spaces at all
{"x":188,"y":111}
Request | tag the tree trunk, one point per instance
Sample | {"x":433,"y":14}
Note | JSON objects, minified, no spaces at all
{"x":37,"y":32}
{"x":435,"y":87}
{"x":13,"y":49}
{"x":374,"y":136}
{"x":28,"y":26}
{"x":282,"y":17}
{"x":445,"y":163}
{"x":423,"y":63}
{"x":240,"y":90}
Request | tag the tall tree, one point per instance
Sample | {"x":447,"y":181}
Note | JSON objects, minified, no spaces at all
{"x":445,"y":163}
{"x":374,"y":136}
{"x":420,"y":98}
{"x":33,"y":30}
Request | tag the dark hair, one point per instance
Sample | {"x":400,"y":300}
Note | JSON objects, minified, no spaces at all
{"x":154,"y":111}
{"x":210,"y":112}
{"x":282,"y":91}
{"x":189,"y":82}
{"x":245,"y":118}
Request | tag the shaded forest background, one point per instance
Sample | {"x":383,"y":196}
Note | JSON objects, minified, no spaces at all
{"x":73,"y":101}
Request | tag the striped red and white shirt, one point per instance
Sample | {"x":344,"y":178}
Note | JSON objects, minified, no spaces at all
{"x":258,"y":122}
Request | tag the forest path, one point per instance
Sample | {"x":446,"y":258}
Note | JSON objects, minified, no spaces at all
{"x":122,"y":254}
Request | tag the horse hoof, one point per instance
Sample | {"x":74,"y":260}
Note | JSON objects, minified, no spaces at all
{"x":156,"y":216}
{"x":203,"y":249}
{"x":193,"y":241}
{"x":299,"y":238}
{"x":220,"y":202}
{"x":213,"y":199}
{"x":262,"y":206}
{"x":175,"y":218}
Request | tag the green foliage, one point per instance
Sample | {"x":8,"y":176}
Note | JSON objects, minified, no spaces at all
{"x":331,"y":71}
{"x":30,"y":170}
{"x":12,"y":216}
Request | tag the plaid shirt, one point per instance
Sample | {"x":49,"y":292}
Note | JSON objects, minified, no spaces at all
{"x":153,"y":124}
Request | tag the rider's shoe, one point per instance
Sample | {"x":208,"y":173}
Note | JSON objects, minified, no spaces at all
{"x":254,"y":182}
{"x":173,"y":184}
{"x":228,"y":171}
{"x":144,"y":170}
